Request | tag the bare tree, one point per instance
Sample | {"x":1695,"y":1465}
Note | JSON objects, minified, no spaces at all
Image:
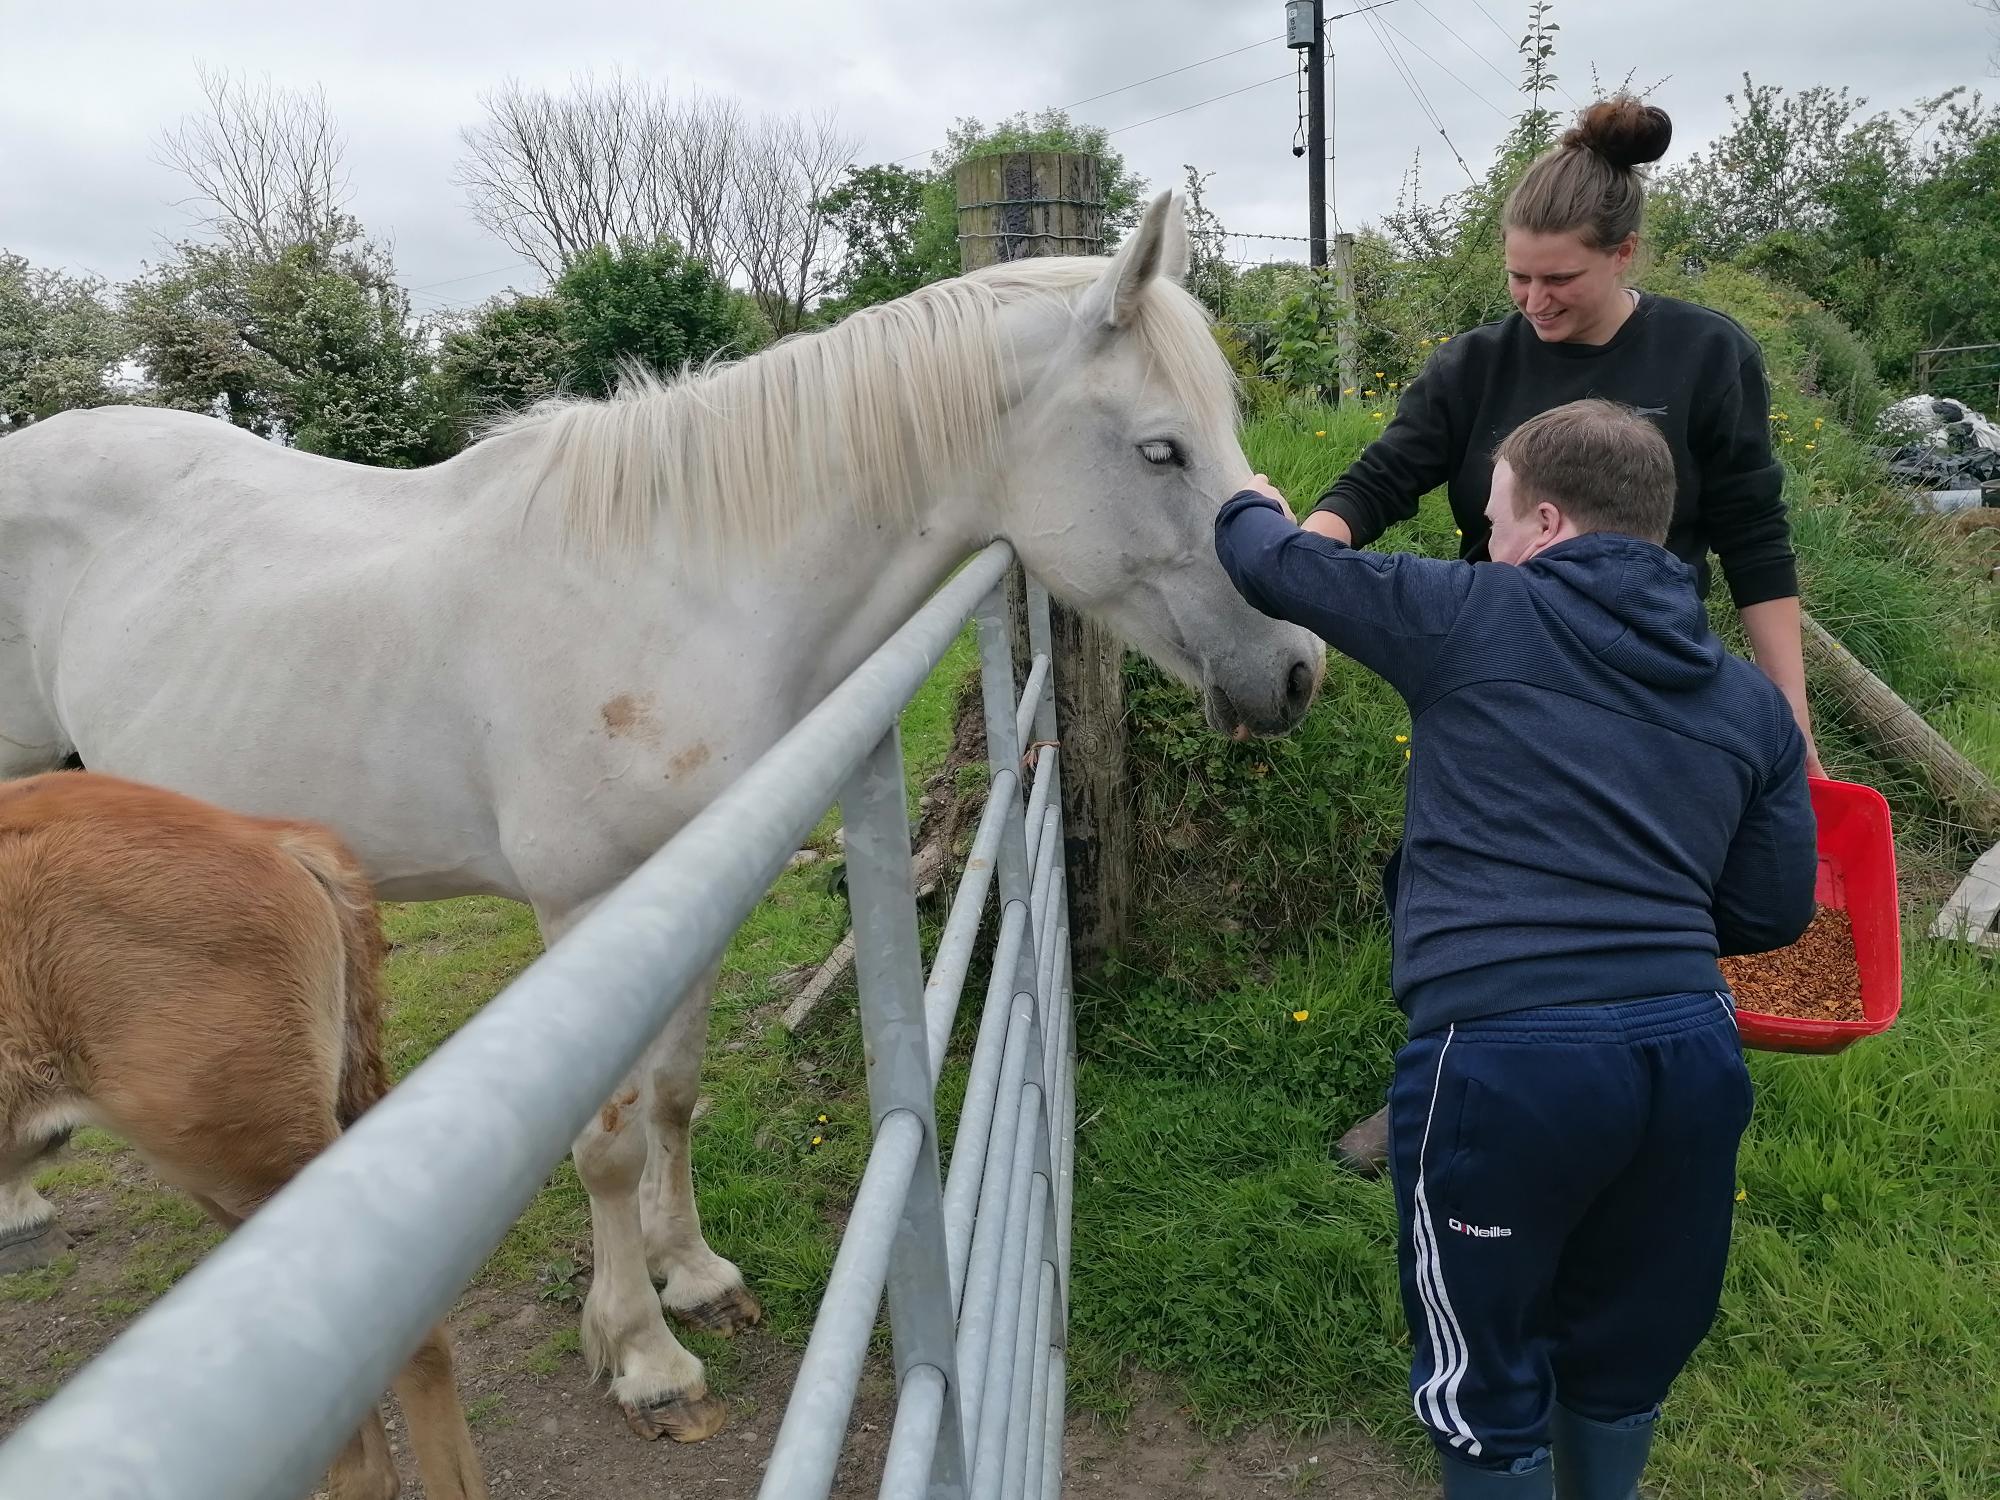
{"x":611,"y":160}
{"x":697,"y":156}
{"x":779,"y":234}
{"x":266,"y":164}
{"x":622,"y":161}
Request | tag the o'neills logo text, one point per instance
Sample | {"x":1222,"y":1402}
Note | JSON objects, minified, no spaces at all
{"x":1481,"y":1231}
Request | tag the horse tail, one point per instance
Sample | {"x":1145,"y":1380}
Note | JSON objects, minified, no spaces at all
{"x":364,"y":1073}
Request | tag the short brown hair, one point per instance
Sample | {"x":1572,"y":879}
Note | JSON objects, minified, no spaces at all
{"x":1589,"y":185}
{"x":1603,"y":465}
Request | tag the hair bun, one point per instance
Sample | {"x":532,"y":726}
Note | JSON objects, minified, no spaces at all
{"x":1626,"y":132}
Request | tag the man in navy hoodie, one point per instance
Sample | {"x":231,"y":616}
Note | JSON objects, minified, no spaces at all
{"x":1601,"y":801}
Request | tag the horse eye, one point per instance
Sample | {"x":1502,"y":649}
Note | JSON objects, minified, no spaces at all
{"x":1159,"y":453}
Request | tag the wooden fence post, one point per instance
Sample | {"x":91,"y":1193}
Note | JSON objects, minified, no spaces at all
{"x":1051,"y":203}
{"x":1898,"y":733}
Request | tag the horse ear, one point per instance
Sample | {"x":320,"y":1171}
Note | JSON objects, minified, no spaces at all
{"x":1113,"y":300}
{"x":1174,"y":253}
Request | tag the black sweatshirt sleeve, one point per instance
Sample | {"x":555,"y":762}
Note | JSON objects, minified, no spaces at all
{"x":1743,"y":488}
{"x":1412,"y":457}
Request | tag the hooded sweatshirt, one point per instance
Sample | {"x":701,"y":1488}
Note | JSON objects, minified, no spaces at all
{"x":1601,"y":799}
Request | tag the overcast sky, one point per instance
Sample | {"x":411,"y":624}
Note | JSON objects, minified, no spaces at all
{"x":86,"y":87}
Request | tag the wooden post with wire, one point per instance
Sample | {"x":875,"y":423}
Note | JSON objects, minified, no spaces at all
{"x":1051,"y":203}
{"x":1350,"y":354}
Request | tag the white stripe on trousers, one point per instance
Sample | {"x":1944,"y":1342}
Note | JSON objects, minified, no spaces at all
{"x":1450,"y":1353}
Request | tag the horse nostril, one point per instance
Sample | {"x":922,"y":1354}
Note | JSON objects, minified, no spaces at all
{"x":1299,"y":686}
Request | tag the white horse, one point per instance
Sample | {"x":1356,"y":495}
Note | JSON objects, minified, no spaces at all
{"x":521,"y":671}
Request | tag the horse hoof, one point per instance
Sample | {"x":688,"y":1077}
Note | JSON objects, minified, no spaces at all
{"x":33,"y":1249}
{"x":725,"y":1315}
{"x":685,"y":1419}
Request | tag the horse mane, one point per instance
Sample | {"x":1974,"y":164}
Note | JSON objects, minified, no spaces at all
{"x":892,"y":404}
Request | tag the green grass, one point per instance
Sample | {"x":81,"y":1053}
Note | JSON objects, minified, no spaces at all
{"x":39,"y":1284}
{"x":487,"y":1410}
{"x":547,"y":1357}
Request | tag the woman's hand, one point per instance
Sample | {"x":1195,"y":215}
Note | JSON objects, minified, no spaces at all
{"x":1261,"y":484}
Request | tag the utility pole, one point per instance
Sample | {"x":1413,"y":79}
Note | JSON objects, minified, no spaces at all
{"x":1305,"y":30}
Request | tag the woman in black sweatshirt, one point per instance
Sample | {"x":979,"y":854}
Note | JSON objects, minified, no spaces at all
{"x":1571,"y":230}
{"x":1572,"y":226}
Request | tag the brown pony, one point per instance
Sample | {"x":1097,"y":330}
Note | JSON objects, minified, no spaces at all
{"x":206,"y":986}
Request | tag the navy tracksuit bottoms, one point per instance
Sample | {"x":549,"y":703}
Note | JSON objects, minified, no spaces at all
{"x":1565,"y":1179}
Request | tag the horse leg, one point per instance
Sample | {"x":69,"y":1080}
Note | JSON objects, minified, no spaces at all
{"x":29,"y":1235}
{"x":658,"y":1383}
{"x":364,"y":1469}
{"x":427,"y":1390}
{"x":700,"y":1287}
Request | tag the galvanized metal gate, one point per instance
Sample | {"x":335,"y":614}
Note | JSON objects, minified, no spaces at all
{"x":247,"y":1377}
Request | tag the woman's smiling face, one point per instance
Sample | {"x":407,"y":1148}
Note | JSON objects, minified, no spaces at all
{"x":1569,"y":292}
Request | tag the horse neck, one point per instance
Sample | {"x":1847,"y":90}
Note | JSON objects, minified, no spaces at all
{"x":799,"y":616}
{"x":839,"y":586}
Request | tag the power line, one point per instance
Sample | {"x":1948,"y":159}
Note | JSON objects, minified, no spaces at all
{"x":1448,"y":72}
{"x":1123,"y":88}
{"x":1417,"y":93}
{"x":1361,"y":10}
{"x":1171,"y":72}
{"x":1505,"y":35}
{"x":1453,"y":32}
{"x":1266,"y":83}
{"x":1126,"y":87}
{"x":475,"y":276}
{"x":1515,"y":43}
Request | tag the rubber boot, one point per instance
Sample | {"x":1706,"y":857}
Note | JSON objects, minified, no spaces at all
{"x":1365,"y":1148}
{"x":1464,"y":1481}
{"x":1599,"y":1460}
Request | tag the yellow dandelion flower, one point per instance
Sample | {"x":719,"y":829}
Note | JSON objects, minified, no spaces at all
{"x":1811,"y":446}
{"x":1444,"y":338}
{"x":817,"y":1140}
{"x":1348,"y":392}
{"x":1379,"y":375}
{"x":1320,"y":433}
{"x":1456,"y":532}
{"x":1376,"y":414}
{"x":1402,"y":739}
{"x":1818,"y":422}
{"x":1406,"y":755}
{"x":1741,"y":1194}
{"x":822,"y":1119}
{"x":1393,"y":385}
{"x":1368,"y":392}
{"x":1301,"y":1015}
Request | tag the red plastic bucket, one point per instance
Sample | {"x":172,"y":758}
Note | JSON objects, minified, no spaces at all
{"x":1857,"y":873}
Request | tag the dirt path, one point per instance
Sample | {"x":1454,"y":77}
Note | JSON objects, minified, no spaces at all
{"x":544,"y":1433}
